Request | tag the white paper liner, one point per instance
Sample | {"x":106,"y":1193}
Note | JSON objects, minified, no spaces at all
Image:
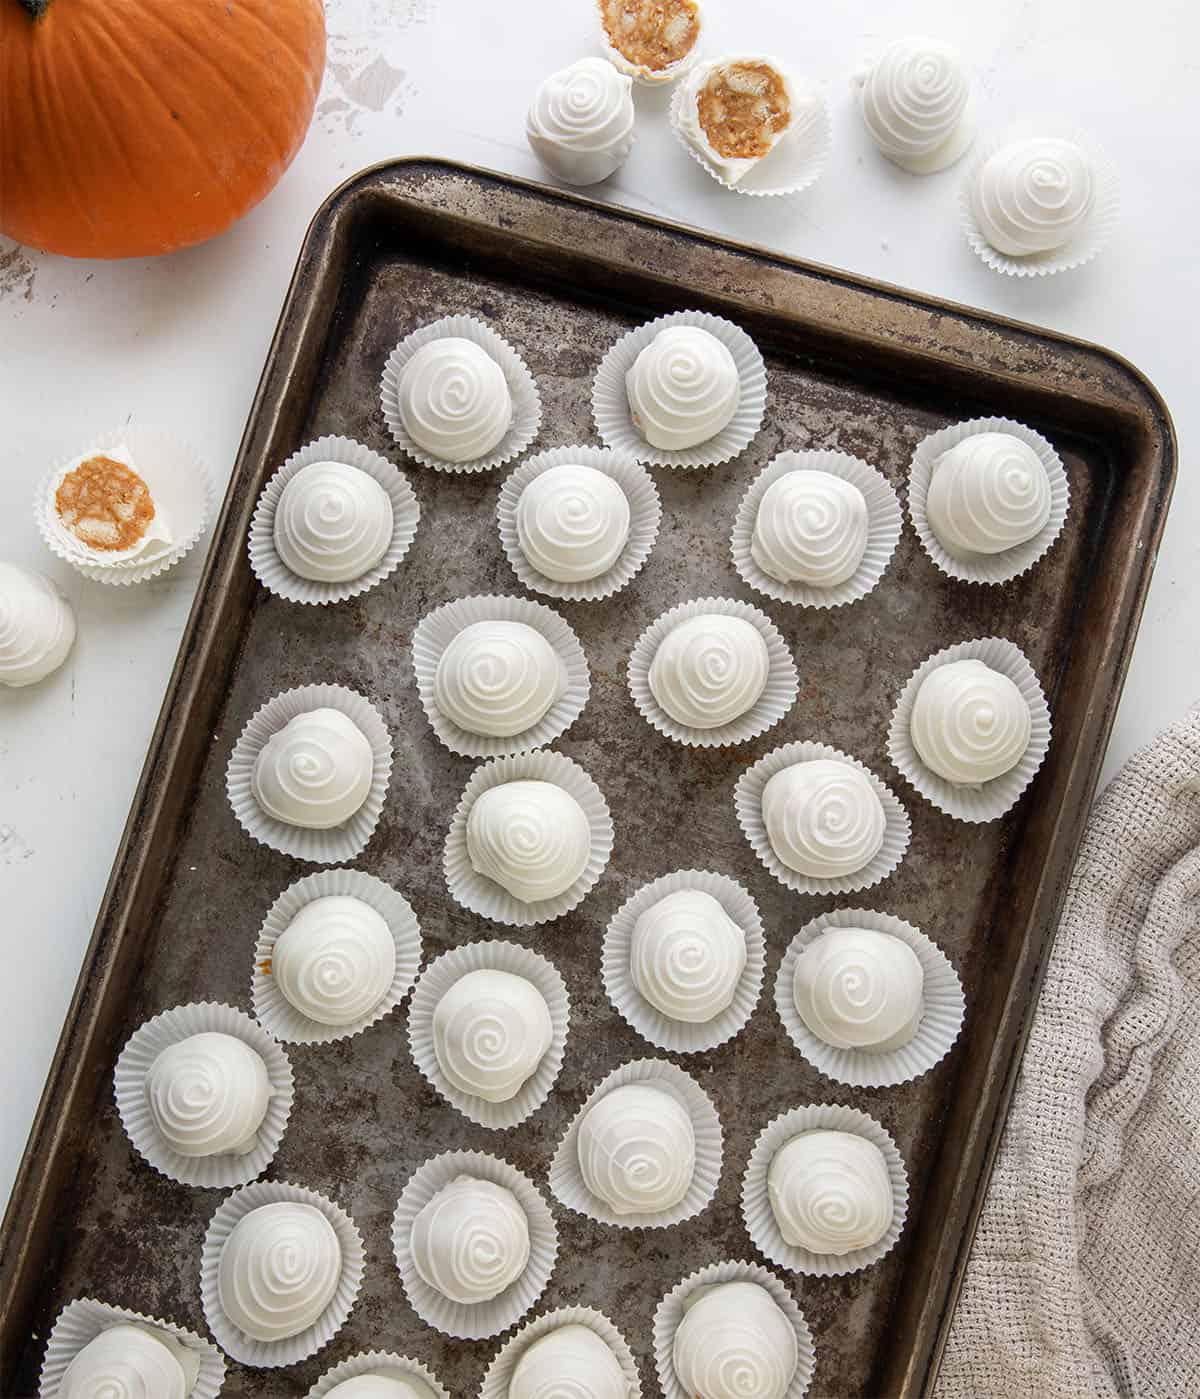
{"x":991,"y":800}
{"x":610,"y":398}
{"x":759,"y":1217}
{"x":941,"y":1019}
{"x":133,"y":1064}
{"x":325,"y":847}
{"x":526,"y":401}
{"x":566,"y":1180}
{"x":177,"y":480}
{"x":671,"y":1310}
{"x":378,"y":1362}
{"x":274,"y":574}
{"x":1090,"y":240}
{"x":499,"y":1373}
{"x":82,"y":1320}
{"x":437,"y":629}
{"x":884,"y":523}
{"x":292,"y":1349}
{"x":680,"y":1036}
{"x":645,"y":513}
{"x":450,"y":968}
{"x":778,"y":696}
{"x":481,"y":895}
{"x":748,"y":804}
{"x":463,"y":1321}
{"x":986,"y":568}
{"x":272,"y":1008}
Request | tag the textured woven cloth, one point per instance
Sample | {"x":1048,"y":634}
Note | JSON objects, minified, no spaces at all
{"x":1085,"y":1275}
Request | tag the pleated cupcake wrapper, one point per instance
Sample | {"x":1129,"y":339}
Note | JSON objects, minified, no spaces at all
{"x":748,"y":805}
{"x":168,"y":1028}
{"x":325,"y":847}
{"x":450,"y":968}
{"x":645,"y":513}
{"x":277,"y":577}
{"x":292,"y":1349}
{"x":884,"y":523}
{"x":985,"y":568}
{"x":526,"y":401}
{"x":82,"y":1320}
{"x":991,"y":800}
{"x":778,"y":696}
{"x":499,"y":1373}
{"x":671,"y":1310}
{"x":481,"y":895}
{"x":680,"y":1036}
{"x":941,"y":1018}
{"x":463,"y":1321}
{"x":378,"y":1362}
{"x":610,"y":398}
{"x":272,"y":1008}
{"x":759,"y":1217}
{"x":566,"y":1179}
{"x":437,"y":629}
{"x":177,"y":480}
{"x":1090,"y":240}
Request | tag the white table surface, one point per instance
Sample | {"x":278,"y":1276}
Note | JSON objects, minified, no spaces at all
{"x":180,"y":341}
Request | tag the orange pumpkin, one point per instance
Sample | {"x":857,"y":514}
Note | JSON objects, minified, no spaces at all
{"x":132,"y":127}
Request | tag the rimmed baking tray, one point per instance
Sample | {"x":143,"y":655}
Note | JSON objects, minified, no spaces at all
{"x":853,"y":365}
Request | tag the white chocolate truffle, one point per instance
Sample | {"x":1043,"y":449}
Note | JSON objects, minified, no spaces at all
{"x":208,"y":1095}
{"x":709,"y":670}
{"x":532,"y":838}
{"x":651,"y":40}
{"x":570,"y":1362}
{"x":333,"y":522}
{"x":686,"y":956}
{"x":498,"y":678}
{"x":637,"y":1149}
{"x":471,"y":1241}
{"x":37,"y":626}
{"x":734,"y":1342}
{"x":335,"y":961}
{"x":988,"y":493}
{"x":824,"y":819}
{"x":380,"y":1386}
{"x":490,"y":1032}
{"x":1033,"y":196}
{"x":314,"y":772}
{"x":916,"y":102}
{"x":279,"y":1269}
{"x":572,"y":522}
{"x":969,"y":723}
{"x":131,"y":1362}
{"x":105,"y":512}
{"x":683,"y":388}
{"x":858,"y":988}
{"x":811,"y":527}
{"x":735,"y":111}
{"x":830,"y":1192}
{"x":581,"y":122}
{"x":454,"y":400}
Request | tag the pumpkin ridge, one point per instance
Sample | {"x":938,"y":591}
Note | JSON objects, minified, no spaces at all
{"x":285,"y":43}
{"x":43,"y":90}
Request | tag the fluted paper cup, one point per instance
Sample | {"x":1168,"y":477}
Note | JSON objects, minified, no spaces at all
{"x":272,"y":1008}
{"x":437,"y":629}
{"x":990,"y":800}
{"x":168,"y":1028}
{"x":499,"y":1373}
{"x":325,"y":847}
{"x":748,"y":805}
{"x":662,"y":1031}
{"x":566,"y":1179}
{"x":778,"y":696}
{"x":292,"y":1349}
{"x":526,"y":401}
{"x":450,"y":968}
{"x":645,"y":512}
{"x":610,"y":398}
{"x":378,"y":1362}
{"x":884,"y":523}
{"x":463,"y":1321}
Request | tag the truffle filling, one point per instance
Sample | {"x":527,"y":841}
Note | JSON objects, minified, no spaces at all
{"x":743,"y":109}
{"x":104,"y":504}
{"x":651,"y":33}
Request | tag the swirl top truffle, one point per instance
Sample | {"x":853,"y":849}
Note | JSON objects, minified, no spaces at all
{"x":335,"y":960}
{"x":572,"y":522}
{"x":471,"y":1241}
{"x":734,"y":1341}
{"x":969,"y":723}
{"x":823,"y":817}
{"x":454,"y":401}
{"x":683,"y":388}
{"x":988,"y":493}
{"x":830,"y":1192}
{"x":581,"y":121}
{"x":279,"y":1269}
{"x":637,"y":1149}
{"x":1033,"y":196}
{"x":916,"y":102}
{"x":709,"y":670}
{"x":532,"y":838}
{"x":569,"y":1362}
{"x":856,"y":988}
{"x":687,"y":956}
{"x":208,"y":1095}
{"x":333,"y":522}
{"x":37,"y":626}
{"x":491,"y":1030}
{"x":129,"y":1361}
{"x":811,"y":527}
{"x":498,"y":678}
{"x":314,"y":772}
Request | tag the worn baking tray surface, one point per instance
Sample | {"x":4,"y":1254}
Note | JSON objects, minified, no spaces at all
{"x":866,"y":369}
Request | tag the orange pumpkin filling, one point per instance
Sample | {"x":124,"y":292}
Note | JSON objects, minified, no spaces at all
{"x":651,"y":33}
{"x":104,"y":504}
{"x":743,"y":108}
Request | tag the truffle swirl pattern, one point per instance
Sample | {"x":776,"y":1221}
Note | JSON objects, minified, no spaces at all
{"x":735,"y":1343}
{"x":490,"y":1031}
{"x":637,"y":1149}
{"x":336,"y":960}
{"x":570,"y":1362}
{"x":279,"y":1269}
{"x":1033,"y":196}
{"x":127,"y":1362}
{"x":315,"y":772}
{"x":581,"y":121}
{"x":831,"y":1192}
{"x":970,"y":723}
{"x":37,"y":626}
{"x":709,"y":670}
{"x":471,"y":1241}
{"x":811,"y":527}
{"x":687,"y":955}
{"x":531,"y":837}
{"x":572,"y":522}
{"x":208,"y":1095}
{"x":823,"y":818}
{"x":333,"y":522}
{"x":858,"y":988}
{"x":683,"y":388}
{"x":453,"y":400}
{"x":498,"y":678}
{"x":988,"y":493}
{"x":915,"y":103}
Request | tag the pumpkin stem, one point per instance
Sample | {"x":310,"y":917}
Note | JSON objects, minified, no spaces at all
{"x":35,"y":8}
